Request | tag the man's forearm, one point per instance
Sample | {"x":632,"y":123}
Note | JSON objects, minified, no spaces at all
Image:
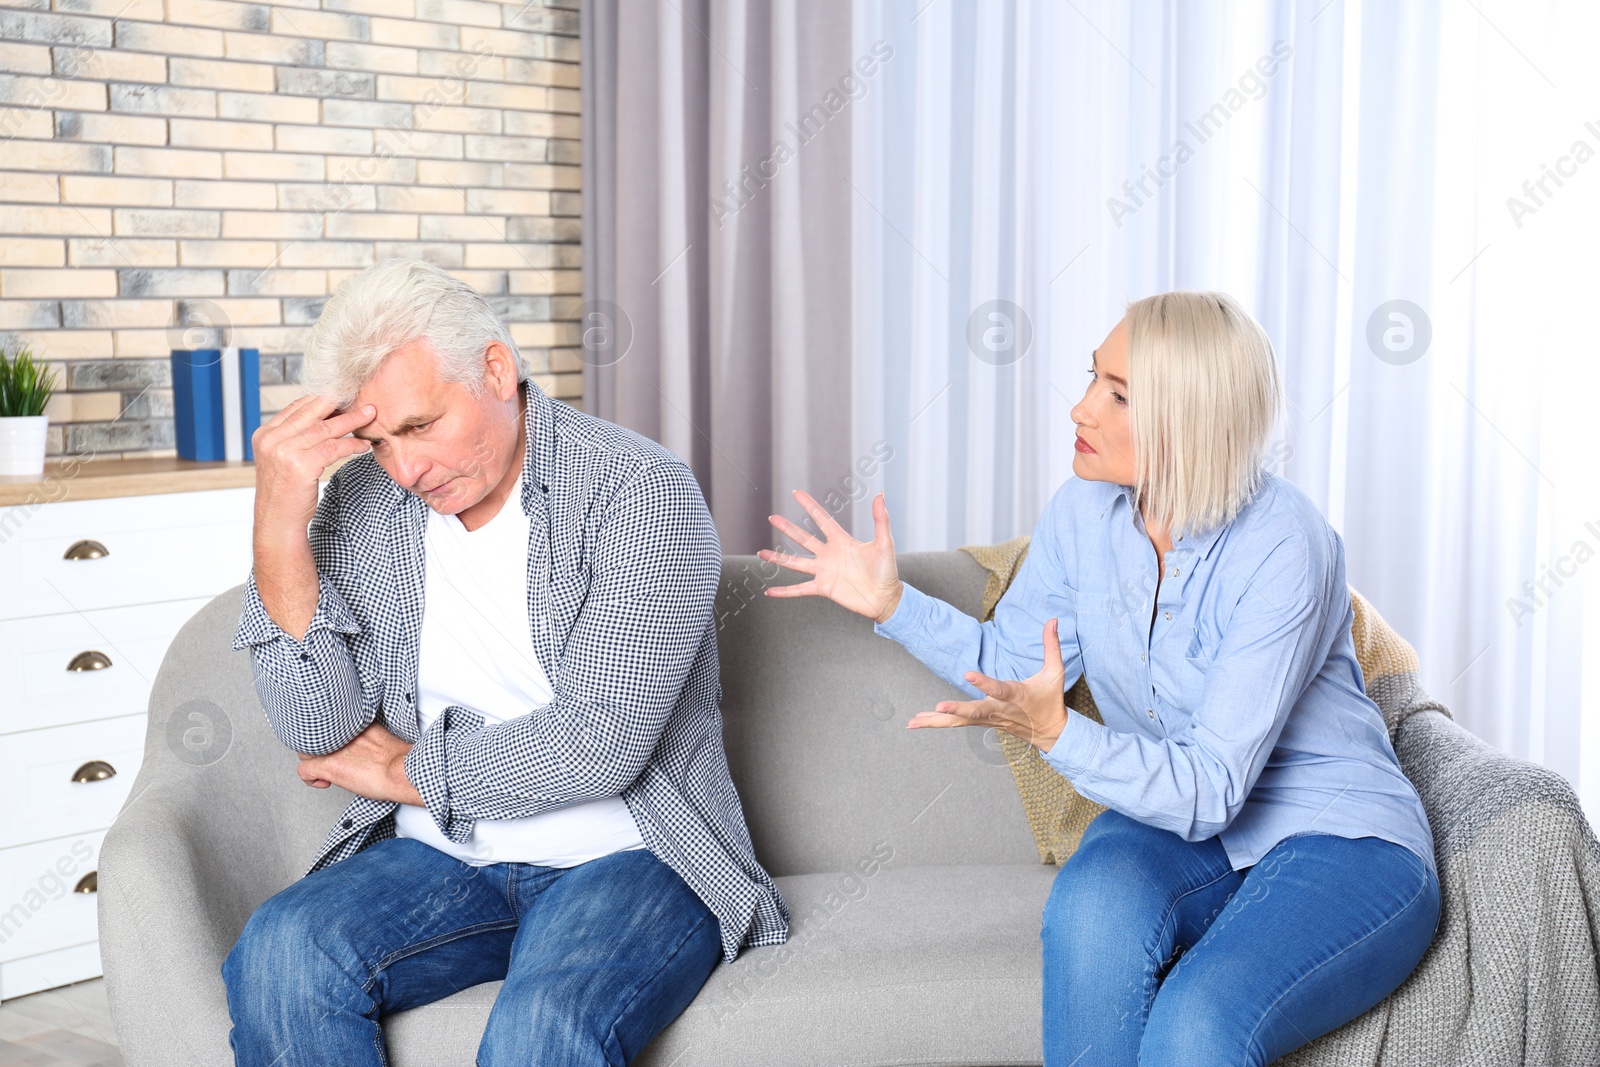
{"x":372,"y":765}
{"x":286,"y":579}
{"x":298,"y":627}
{"x":305,"y":673}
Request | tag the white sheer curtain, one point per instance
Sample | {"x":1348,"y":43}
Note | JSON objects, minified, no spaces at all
{"x":1320,"y":161}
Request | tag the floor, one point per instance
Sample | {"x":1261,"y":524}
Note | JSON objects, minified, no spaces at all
{"x":65,"y":1027}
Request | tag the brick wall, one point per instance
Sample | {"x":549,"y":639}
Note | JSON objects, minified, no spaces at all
{"x":170,"y":169}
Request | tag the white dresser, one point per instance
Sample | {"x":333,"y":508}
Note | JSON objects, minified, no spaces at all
{"x":92,"y":591}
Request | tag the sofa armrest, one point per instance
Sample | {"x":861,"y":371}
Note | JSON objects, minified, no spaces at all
{"x":1467,"y":785}
{"x":168,"y":916}
{"x":217,"y":822}
{"x":1510,"y":976}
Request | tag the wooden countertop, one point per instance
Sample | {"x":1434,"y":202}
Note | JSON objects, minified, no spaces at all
{"x":97,"y":479}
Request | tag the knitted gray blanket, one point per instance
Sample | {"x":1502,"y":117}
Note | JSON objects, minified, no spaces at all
{"x":1511,"y":977}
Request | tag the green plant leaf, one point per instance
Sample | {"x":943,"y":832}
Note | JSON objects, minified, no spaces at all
{"x":26,"y":384}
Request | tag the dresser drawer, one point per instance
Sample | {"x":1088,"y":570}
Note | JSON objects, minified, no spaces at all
{"x":168,"y":546}
{"x":37,"y":792}
{"x":35,"y":656}
{"x":48,"y":891}
{"x":48,"y":970}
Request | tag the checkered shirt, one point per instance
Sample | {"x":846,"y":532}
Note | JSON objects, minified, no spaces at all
{"x":623,"y":567}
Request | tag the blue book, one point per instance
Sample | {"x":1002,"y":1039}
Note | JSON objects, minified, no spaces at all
{"x":250,"y":395}
{"x":197,"y":401}
{"x":216,"y":397}
{"x":241,"y":400}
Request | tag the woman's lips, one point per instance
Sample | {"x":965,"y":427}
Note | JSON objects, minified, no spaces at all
{"x":1083,"y":446}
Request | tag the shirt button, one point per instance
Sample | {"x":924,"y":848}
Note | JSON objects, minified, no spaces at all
{"x":1150,"y":712}
{"x":304,"y":657}
{"x":1141,"y":657}
{"x":347,"y":824}
{"x":1168,"y":615}
{"x":1173,"y":573}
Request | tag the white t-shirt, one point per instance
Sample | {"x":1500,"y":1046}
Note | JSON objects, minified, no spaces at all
{"x":477,"y":651}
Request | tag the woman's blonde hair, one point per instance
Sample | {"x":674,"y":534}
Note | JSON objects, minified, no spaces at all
{"x":1204,"y":394}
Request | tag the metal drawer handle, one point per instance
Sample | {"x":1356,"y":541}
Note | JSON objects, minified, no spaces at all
{"x":89,"y":883}
{"x":86,"y":549}
{"x":89,"y":661}
{"x":96,"y":770}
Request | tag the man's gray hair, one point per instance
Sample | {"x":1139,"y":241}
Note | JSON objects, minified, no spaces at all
{"x":388,"y":306}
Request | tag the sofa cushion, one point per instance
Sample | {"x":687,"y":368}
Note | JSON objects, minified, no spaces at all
{"x":814,"y":709}
{"x":885,"y":964}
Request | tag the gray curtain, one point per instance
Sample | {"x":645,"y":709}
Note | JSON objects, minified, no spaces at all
{"x":717,"y":243}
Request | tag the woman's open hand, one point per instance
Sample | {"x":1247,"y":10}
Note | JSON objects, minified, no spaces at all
{"x":858,"y":575}
{"x":1034,"y":709}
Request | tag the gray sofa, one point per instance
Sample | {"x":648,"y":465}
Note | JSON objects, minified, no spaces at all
{"x":910,"y":873}
{"x":905,"y":858}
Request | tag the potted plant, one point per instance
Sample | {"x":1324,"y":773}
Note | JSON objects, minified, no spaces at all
{"x":26,"y":386}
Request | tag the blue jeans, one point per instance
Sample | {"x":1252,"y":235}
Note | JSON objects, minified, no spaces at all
{"x":1267,"y":958}
{"x":597,"y":959}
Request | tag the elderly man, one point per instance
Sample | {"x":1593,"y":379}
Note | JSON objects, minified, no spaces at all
{"x":498,"y":634}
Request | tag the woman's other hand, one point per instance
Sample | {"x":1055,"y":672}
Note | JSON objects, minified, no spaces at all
{"x":858,"y":575}
{"x":1034,"y":709}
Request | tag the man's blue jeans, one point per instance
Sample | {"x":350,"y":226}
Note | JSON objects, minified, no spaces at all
{"x":597,"y":959}
{"x":1267,"y":959}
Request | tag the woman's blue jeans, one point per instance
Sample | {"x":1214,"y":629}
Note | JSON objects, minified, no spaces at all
{"x":597,"y":959}
{"x":1267,"y":958}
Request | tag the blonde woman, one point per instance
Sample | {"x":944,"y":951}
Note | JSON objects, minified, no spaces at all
{"x":1265,"y":871}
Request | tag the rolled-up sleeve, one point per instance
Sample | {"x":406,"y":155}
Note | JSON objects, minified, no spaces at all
{"x":1195,"y":782}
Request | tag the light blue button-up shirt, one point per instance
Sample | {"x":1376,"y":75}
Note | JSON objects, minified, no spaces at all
{"x":1232,"y":701}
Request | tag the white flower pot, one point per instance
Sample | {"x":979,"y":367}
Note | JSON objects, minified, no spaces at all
{"x":22,"y":444}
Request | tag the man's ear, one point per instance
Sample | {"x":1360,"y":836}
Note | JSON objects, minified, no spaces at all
{"x":500,"y":367}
